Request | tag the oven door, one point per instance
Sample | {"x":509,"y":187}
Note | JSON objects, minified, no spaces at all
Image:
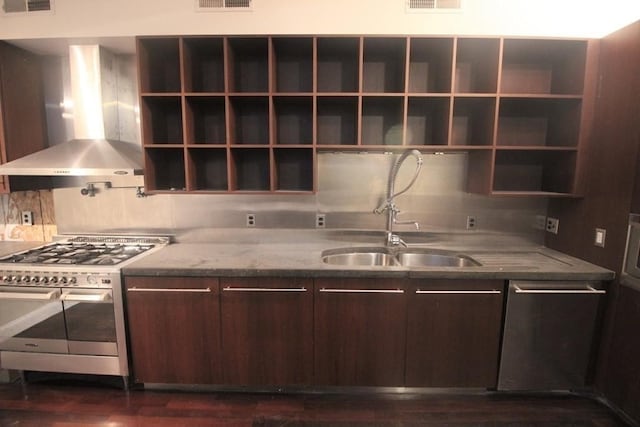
{"x":91,"y":325}
{"x":32,"y":319}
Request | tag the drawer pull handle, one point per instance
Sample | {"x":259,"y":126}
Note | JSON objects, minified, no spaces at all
{"x":188,"y":290}
{"x":232,"y":289}
{"x":43,"y":296}
{"x":363,"y":291}
{"x":419,"y":291}
{"x":586,"y":290}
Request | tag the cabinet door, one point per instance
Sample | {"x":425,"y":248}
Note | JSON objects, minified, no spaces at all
{"x":267,"y":331}
{"x":360,"y":332}
{"x":621,"y":384}
{"x":174,"y":329}
{"x":453,"y":333}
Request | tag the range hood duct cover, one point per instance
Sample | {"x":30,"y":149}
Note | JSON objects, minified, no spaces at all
{"x":97,"y":149}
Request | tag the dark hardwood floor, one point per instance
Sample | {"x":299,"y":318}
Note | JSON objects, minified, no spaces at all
{"x":81,"y":404}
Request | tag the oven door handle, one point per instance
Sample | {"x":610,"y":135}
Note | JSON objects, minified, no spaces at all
{"x":40,"y":296}
{"x":93,"y":297}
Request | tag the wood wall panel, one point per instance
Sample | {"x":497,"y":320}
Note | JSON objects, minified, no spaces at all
{"x":611,"y":173}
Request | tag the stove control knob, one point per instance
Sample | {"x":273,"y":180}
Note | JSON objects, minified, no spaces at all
{"x":53,"y":279}
{"x":6,"y":279}
{"x":72,"y":280}
{"x":25,"y":279}
{"x":13,"y":279}
{"x":63,"y":280}
{"x":40,"y":279}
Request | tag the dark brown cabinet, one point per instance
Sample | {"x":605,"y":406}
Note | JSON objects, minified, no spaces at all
{"x":359,"y":332}
{"x":174,"y":329}
{"x":453,"y":333}
{"x":267,"y":331}
{"x":23,"y":128}
{"x":622,"y":382}
{"x":264,"y":107}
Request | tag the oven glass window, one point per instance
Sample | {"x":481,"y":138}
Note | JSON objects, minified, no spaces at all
{"x":90,"y":322}
{"x":90,"y":319}
{"x":31,"y":319}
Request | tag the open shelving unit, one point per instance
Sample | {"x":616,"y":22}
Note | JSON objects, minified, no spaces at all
{"x":244,"y":114}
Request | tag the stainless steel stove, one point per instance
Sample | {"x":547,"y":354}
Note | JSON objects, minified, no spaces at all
{"x":61,"y":307}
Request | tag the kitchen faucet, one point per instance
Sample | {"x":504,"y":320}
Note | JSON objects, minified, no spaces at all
{"x":389,"y":204}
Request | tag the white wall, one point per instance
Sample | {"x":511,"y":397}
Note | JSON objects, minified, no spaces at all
{"x":126,"y":18}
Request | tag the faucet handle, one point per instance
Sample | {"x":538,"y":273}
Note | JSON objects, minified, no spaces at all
{"x":386,"y":205}
{"x":395,"y":240}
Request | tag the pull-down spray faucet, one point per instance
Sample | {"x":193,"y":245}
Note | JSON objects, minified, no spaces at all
{"x":389,"y":204}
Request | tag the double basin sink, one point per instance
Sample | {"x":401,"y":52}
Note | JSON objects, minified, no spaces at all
{"x":396,"y":257}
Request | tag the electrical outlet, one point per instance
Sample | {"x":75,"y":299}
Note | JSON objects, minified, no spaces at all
{"x":251,"y":220}
{"x":471,"y":222}
{"x":320,"y":220}
{"x":552,"y":225}
{"x":599,"y":237}
{"x":27,"y":217}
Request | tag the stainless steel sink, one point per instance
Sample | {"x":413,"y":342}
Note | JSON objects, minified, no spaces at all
{"x":405,"y":257}
{"x":431,"y":259}
{"x":359,"y":257}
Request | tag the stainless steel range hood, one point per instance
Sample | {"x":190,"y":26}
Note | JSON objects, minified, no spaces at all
{"x":97,"y":149}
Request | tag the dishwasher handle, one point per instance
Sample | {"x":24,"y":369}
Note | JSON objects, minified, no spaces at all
{"x":556,"y":291}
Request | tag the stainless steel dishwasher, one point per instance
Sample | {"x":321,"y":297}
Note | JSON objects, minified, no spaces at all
{"x":548,"y":335}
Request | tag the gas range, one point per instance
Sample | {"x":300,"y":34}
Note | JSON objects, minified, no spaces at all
{"x":62,"y":305}
{"x":84,"y":261}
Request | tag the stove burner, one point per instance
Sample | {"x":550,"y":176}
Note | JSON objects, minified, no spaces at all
{"x":80,"y":253}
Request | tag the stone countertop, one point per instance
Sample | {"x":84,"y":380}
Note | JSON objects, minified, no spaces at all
{"x":298,"y":253}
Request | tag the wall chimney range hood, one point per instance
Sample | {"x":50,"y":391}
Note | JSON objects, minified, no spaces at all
{"x":98,"y":120}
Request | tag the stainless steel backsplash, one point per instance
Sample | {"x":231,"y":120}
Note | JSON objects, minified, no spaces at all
{"x":350,"y":186}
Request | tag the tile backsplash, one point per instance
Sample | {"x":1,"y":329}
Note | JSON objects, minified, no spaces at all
{"x":40,"y":203}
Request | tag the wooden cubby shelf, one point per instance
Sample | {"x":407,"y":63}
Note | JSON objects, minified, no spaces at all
{"x":293,"y":120}
{"x":204,"y":65}
{"x":208,"y":169}
{"x":206,"y":123}
{"x":248,"y":114}
{"x":534,"y":171}
{"x":473,"y":121}
{"x":427,"y":121}
{"x":293,"y":62}
{"x":476,"y":65}
{"x":430,"y":62}
{"x":163,"y":124}
{"x":338,"y":64}
{"x":383,"y":68}
{"x":543,"y":67}
{"x":382,"y":120}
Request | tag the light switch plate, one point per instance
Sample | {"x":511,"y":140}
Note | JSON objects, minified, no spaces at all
{"x":600,"y":237}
